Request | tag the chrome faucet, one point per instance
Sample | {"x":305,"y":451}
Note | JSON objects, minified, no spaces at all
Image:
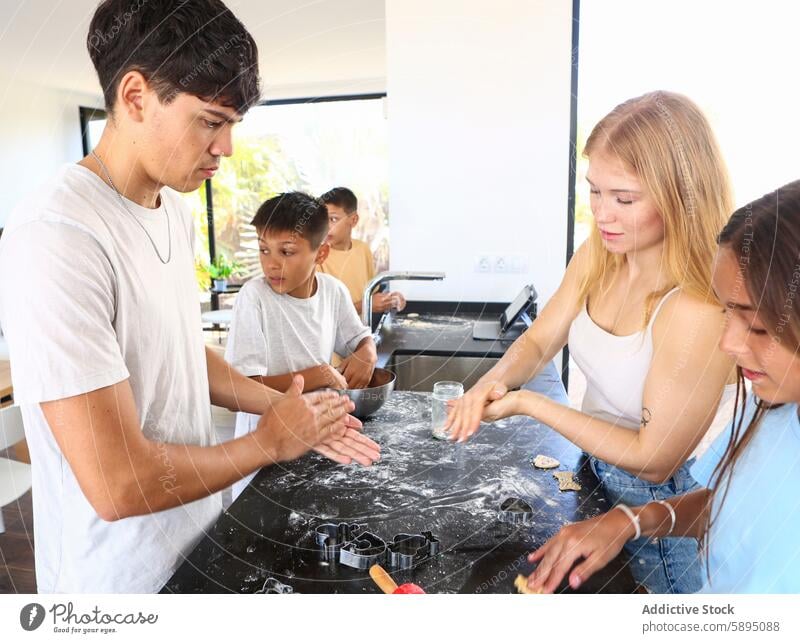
{"x":391,"y":275}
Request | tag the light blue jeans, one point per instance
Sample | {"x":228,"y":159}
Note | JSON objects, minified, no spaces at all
{"x":668,"y":565}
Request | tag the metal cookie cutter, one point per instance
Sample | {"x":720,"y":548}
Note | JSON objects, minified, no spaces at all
{"x":331,"y":537}
{"x":274,"y":586}
{"x":515,"y":511}
{"x":406,"y":550}
{"x":365,"y":550}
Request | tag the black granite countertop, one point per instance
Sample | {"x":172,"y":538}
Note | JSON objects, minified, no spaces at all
{"x":420,"y":484}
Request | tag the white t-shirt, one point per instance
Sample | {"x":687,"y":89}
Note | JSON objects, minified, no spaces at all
{"x":85,"y":304}
{"x":274,"y":334}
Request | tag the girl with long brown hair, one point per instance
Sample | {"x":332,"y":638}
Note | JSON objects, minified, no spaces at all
{"x":641,"y":321}
{"x":748,"y":514}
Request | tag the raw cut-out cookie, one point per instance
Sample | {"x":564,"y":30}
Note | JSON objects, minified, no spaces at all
{"x":566,"y":481}
{"x":521,"y":583}
{"x":545,"y":462}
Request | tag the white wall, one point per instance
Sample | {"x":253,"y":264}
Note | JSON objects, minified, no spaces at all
{"x":737,"y":65}
{"x":40,"y":131}
{"x":479,"y":106}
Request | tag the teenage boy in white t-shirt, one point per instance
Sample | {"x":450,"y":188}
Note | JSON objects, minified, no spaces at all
{"x":107,"y":355}
{"x":290,"y":321}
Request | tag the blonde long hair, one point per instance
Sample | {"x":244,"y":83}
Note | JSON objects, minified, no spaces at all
{"x":665,"y":140}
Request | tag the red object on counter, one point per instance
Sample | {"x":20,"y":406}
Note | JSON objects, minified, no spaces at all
{"x":387,"y":584}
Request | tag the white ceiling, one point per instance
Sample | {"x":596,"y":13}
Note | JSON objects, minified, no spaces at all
{"x":322,"y":46}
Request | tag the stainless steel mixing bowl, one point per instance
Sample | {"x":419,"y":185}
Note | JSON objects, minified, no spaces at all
{"x":370,"y":399}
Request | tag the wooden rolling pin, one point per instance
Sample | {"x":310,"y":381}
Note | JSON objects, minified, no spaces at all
{"x":387,"y":584}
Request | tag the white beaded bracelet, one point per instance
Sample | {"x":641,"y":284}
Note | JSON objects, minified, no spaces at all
{"x":633,"y":518}
{"x":672,"y":515}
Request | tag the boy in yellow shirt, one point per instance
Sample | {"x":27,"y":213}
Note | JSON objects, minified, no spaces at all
{"x":350,"y":260}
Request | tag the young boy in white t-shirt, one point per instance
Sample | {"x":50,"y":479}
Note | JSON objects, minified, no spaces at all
{"x":291,"y":320}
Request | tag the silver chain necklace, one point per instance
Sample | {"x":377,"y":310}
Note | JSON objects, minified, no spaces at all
{"x":135,"y":218}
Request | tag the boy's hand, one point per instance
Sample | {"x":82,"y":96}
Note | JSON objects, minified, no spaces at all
{"x":358,"y":367}
{"x":398,"y":301}
{"x":381,"y":302}
{"x":297,"y":423}
{"x":329,"y":377}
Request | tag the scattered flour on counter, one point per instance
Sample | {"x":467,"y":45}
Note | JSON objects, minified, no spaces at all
{"x":296,"y":519}
{"x":470,"y":478}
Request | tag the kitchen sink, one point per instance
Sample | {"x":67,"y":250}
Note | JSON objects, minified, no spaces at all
{"x":420,"y":371}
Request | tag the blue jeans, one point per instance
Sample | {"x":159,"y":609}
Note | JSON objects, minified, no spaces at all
{"x":668,"y":565}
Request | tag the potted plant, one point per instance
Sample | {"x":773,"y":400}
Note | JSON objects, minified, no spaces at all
{"x":220,"y":270}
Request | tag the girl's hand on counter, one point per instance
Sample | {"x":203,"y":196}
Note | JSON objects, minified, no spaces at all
{"x":464,"y":415}
{"x":597,"y":540}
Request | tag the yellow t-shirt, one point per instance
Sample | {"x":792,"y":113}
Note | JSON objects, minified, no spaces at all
{"x":354,"y":267}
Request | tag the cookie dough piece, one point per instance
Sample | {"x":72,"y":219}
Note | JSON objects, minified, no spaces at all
{"x":566,"y":481}
{"x":521,"y":583}
{"x":545,"y":462}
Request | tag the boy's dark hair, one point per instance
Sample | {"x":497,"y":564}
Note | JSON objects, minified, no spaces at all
{"x":342,"y":198}
{"x":195,"y":47}
{"x":296,"y":211}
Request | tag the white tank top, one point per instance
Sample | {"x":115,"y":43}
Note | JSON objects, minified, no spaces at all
{"x":616,"y":367}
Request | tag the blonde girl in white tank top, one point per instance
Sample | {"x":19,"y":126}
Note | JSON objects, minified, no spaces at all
{"x":659,"y":195}
{"x":615,"y":394}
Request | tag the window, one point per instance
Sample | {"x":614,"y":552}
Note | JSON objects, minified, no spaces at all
{"x":310,"y":146}
{"x":287,"y":145}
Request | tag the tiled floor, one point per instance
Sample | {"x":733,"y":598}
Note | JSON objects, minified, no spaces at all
{"x":16,"y":548}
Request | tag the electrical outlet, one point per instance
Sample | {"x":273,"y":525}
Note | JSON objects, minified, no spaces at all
{"x":501,"y":264}
{"x":483,"y":263}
